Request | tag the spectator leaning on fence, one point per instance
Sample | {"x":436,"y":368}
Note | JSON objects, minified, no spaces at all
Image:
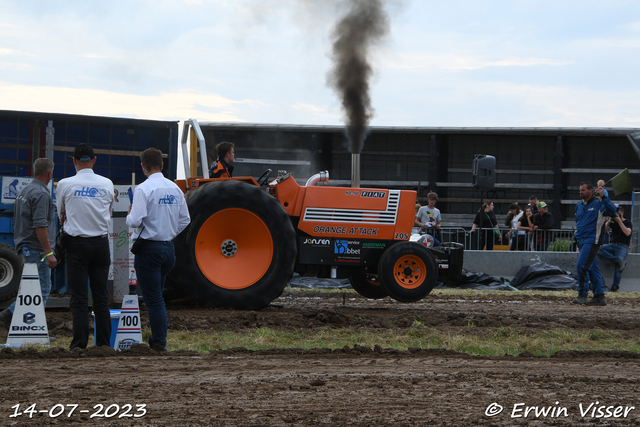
{"x":533,"y":204}
{"x":544,"y":220}
{"x":517,"y":236}
{"x":527,"y":223}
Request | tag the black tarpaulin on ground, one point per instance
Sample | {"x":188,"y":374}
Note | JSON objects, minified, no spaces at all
{"x":478,"y":281}
{"x":538,"y":276}
{"x":298,"y":281}
{"x":544,"y":277}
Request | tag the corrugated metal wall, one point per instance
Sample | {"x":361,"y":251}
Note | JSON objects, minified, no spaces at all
{"x":548,"y":163}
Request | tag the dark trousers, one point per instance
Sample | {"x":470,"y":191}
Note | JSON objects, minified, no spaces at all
{"x":518,"y":242}
{"x":481,"y":238}
{"x":153,"y":263}
{"x":88,"y":260}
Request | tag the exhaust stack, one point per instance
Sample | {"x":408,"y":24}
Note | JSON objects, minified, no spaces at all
{"x":355,"y":170}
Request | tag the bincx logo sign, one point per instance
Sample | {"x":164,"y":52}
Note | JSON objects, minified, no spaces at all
{"x":29,"y":318}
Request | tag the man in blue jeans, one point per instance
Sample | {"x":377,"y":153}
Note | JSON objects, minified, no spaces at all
{"x":34,"y":229}
{"x":616,"y":252}
{"x":160,"y":212}
{"x":590,"y":224}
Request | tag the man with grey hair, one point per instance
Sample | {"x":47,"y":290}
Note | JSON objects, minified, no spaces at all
{"x":34,"y":229}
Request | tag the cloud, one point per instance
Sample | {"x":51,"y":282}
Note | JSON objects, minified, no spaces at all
{"x":177,"y":105}
{"x":575,"y":106}
{"x":464,"y":61}
{"x":316,"y":113}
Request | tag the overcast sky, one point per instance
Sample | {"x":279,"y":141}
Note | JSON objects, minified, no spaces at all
{"x":443,"y":63}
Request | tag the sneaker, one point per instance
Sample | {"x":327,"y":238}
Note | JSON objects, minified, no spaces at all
{"x":6,"y":316}
{"x":615,"y":288}
{"x":157,"y":346}
{"x":597,"y":300}
{"x":621,"y":263}
{"x":580,"y":300}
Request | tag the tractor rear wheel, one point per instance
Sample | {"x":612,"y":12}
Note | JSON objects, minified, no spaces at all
{"x":10,"y":272}
{"x":407,"y":271}
{"x":366,"y":283}
{"x":239,"y":250}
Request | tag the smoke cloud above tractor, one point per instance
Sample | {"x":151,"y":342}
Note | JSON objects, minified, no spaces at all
{"x":364,"y":25}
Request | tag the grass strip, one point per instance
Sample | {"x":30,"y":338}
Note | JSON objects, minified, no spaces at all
{"x":497,"y":342}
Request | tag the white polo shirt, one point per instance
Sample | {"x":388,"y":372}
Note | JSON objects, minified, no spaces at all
{"x":87,"y":200}
{"x":159,"y":205}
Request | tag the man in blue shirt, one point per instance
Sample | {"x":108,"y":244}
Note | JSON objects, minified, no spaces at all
{"x":590,"y":230}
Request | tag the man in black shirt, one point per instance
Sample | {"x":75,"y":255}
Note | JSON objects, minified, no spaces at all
{"x":616,"y":251}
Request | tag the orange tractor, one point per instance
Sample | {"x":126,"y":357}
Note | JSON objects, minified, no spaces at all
{"x":248,"y":237}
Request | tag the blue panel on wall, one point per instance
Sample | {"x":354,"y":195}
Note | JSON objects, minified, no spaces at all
{"x":9,"y":128}
{"x":77,"y":133}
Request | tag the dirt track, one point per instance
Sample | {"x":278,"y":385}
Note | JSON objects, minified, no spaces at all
{"x":357,"y":386}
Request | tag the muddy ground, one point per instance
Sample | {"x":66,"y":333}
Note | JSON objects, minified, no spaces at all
{"x":346,"y":387}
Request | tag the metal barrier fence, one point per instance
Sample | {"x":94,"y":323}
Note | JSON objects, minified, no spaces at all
{"x":557,"y":240}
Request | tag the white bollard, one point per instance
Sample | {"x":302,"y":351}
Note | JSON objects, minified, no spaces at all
{"x":129,"y":327}
{"x":29,"y":322}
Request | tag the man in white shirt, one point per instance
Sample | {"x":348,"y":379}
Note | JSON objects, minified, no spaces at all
{"x":85,"y":204}
{"x":160,"y":212}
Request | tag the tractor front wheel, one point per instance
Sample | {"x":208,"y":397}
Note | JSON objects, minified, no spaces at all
{"x":407,"y":271}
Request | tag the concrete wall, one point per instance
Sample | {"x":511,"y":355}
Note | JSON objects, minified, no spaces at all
{"x":507,"y":264}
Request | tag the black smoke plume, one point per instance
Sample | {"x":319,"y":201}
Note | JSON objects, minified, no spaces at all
{"x":364,"y":25}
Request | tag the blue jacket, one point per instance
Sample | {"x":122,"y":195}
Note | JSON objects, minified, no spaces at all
{"x":590,"y":220}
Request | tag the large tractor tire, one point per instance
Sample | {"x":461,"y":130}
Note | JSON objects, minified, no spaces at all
{"x":407,"y":271}
{"x":239,"y":250}
{"x":366,"y":283}
{"x":10,"y":272}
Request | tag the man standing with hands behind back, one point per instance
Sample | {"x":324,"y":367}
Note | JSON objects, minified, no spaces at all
{"x":85,"y":204}
{"x":160,"y":209}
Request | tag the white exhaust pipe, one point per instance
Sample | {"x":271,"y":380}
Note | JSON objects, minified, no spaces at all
{"x":322,"y":176}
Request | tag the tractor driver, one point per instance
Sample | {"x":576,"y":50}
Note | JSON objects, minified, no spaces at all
{"x":221,"y":168}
